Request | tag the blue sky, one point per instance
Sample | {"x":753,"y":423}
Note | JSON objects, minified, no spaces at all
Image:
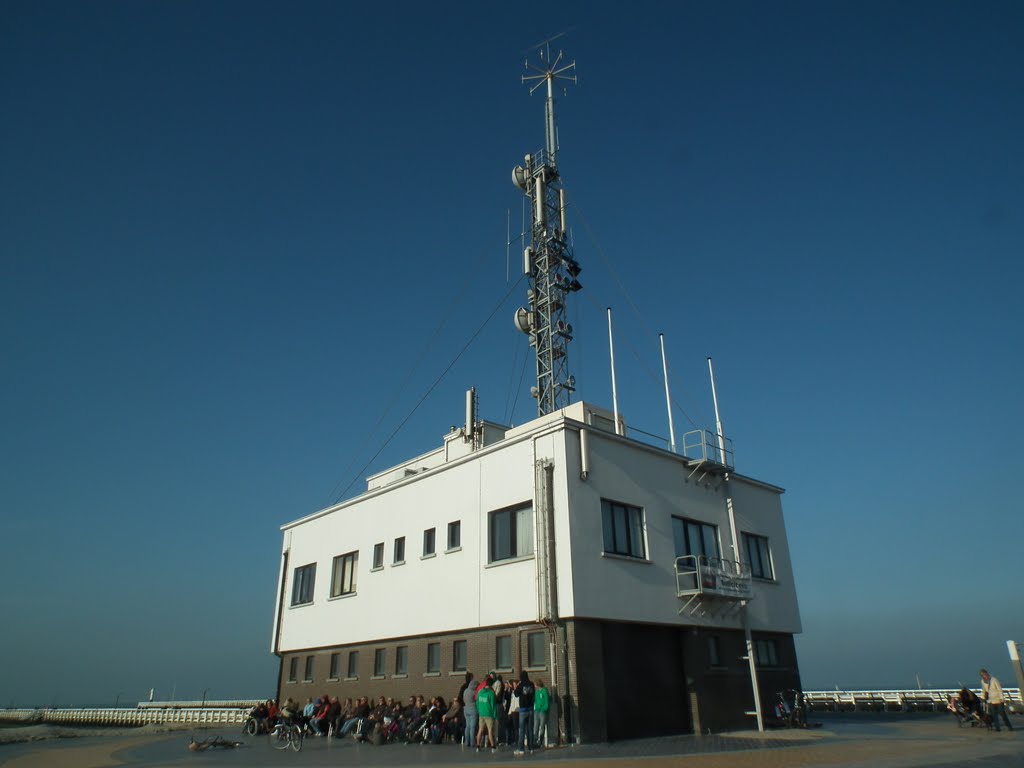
{"x":241,"y":240}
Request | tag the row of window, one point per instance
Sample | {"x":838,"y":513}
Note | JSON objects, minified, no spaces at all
{"x":429,"y":545}
{"x":765,"y":652}
{"x":624,"y":535}
{"x":535,"y":659}
{"x":343,"y":569}
{"x":510,"y":536}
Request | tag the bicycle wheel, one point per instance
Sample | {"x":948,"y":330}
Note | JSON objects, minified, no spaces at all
{"x":279,"y":737}
{"x":250,"y":727}
{"x":295,"y":738}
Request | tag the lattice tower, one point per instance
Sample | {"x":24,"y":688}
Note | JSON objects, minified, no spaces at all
{"x":548,"y":261}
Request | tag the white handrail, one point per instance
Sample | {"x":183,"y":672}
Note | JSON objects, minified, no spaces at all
{"x":904,"y":700}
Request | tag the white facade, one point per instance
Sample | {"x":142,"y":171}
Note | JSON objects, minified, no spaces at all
{"x":467,"y":482}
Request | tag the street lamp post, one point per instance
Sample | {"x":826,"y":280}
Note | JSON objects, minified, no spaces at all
{"x":206,"y":691}
{"x":117,"y":699}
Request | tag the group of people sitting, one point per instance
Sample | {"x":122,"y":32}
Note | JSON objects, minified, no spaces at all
{"x":488,"y":712}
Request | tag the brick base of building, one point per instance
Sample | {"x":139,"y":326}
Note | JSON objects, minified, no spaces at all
{"x":608,"y":680}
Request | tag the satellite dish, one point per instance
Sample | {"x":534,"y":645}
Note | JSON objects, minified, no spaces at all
{"x":520,"y":177}
{"x":523,"y":320}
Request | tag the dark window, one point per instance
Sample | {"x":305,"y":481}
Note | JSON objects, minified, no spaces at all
{"x":353,"y":664}
{"x":459,"y":656}
{"x":714,"y":652}
{"x":428,"y":541}
{"x":535,"y":649}
{"x":343,"y":575}
{"x":693,"y":537}
{"x":402,"y":660}
{"x":335,"y":665}
{"x":380,"y":660}
{"x":503,"y":652}
{"x":378,"y":555}
{"x":399,"y":551}
{"x":511,"y":533}
{"x":308,"y":677}
{"x":757,"y":553}
{"x":302,"y":584}
{"x":433,"y":658}
{"x":766,"y":653}
{"x":623,"y":529}
{"x":455,"y":534}
{"x":293,"y":670}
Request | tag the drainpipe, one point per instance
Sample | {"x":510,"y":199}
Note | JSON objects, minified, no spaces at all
{"x":751,"y":656}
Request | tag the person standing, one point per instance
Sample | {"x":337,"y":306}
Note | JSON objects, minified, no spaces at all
{"x":541,"y":702}
{"x":992,"y":692}
{"x":524,"y":692}
{"x":469,"y":710}
{"x":511,"y":704}
{"x":485,"y":707}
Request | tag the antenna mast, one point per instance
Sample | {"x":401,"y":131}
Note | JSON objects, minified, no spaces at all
{"x":548,"y":260}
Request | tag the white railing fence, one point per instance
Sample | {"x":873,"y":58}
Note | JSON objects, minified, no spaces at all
{"x":933,"y":700}
{"x":184,"y":712}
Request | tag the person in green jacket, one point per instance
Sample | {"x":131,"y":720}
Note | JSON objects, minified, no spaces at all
{"x":541,"y":701}
{"x":485,"y":707}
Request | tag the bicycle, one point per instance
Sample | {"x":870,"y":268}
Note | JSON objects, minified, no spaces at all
{"x":790,"y":709}
{"x":286,"y":734}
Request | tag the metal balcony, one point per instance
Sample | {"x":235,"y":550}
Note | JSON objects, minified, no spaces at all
{"x":711,"y":586}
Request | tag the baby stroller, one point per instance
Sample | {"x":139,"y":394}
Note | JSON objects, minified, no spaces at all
{"x":966,"y":708}
{"x":418,"y":731}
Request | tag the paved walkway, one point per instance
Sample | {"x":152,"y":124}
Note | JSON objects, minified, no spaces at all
{"x":844,"y":741}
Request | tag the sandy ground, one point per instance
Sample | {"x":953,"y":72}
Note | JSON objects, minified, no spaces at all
{"x":49,"y":732}
{"x":81,"y":749}
{"x":77,"y":756}
{"x":854,"y":744}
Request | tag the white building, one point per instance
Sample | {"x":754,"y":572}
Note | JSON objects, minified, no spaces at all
{"x":599,"y":563}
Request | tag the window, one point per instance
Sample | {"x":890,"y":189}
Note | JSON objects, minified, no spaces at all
{"x":511,"y":533}
{"x":293,"y":670}
{"x":428,"y":542}
{"x":308,"y":677}
{"x":399,"y":551}
{"x":714,"y":652}
{"x":353,"y":665}
{"x":378,"y":555}
{"x":623,"y":529}
{"x":766,"y":653}
{"x":454,"y":535}
{"x":535,"y":649}
{"x":433,"y":658}
{"x":402,"y":660}
{"x":459,"y":656}
{"x":343,"y":575}
{"x":693,"y":537}
{"x":380,"y":660}
{"x":302,"y":584}
{"x":503,"y":652}
{"x":335,"y":665}
{"x":756,"y":552}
